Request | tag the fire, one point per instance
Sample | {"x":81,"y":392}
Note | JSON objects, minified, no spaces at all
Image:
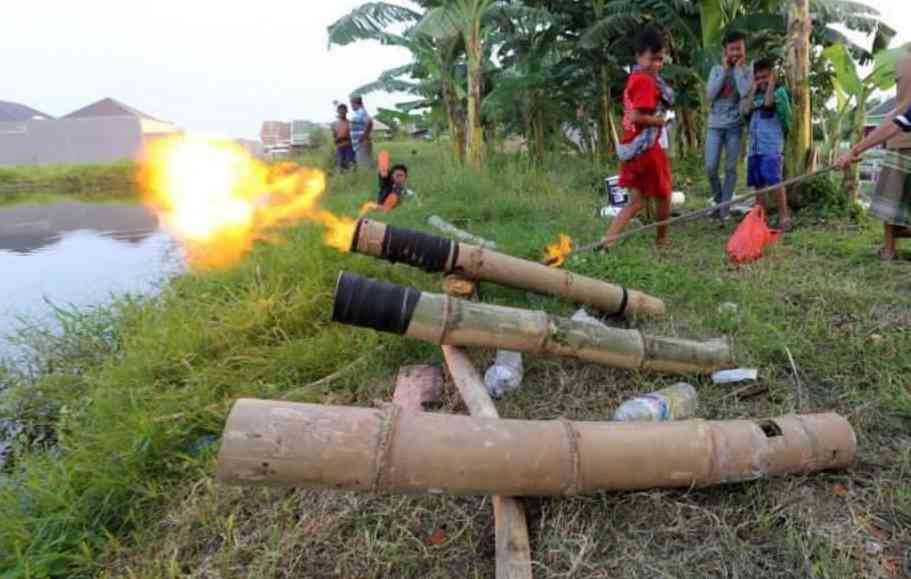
{"x":217,"y":200}
{"x":557,"y":252}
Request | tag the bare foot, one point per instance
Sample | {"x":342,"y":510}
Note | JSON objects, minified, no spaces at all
{"x":785,"y":225}
{"x":663,"y":244}
{"x":887,"y":255}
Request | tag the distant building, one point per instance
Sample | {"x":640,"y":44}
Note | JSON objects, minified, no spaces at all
{"x":275,"y":134}
{"x":101,"y":132}
{"x":13,"y":112}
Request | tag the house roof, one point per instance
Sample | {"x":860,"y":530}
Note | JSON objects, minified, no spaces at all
{"x":68,"y":140}
{"x":12,"y":112}
{"x":108,"y":107}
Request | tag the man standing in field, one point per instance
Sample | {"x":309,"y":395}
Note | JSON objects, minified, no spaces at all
{"x":341,"y":132}
{"x":729,"y":83}
{"x":361,"y":129}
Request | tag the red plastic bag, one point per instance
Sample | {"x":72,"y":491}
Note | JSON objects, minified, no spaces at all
{"x":751,"y":237}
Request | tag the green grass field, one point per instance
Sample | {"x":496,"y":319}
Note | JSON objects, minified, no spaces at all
{"x":133,"y":399}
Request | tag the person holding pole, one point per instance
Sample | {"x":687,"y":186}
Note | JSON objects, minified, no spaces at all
{"x":728,"y":85}
{"x":891,"y":202}
{"x":644,"y":168}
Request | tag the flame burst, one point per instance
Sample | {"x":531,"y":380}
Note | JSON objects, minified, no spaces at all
{"x":217,"y":200}
{"x":557,"y":253}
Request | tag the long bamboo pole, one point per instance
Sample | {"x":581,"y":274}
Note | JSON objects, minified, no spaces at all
{"x":394,"y":451}
{"x":442,"y":319}
{"x":510,"y":526}
{"x":703,"y":212}
{"x":437,"y":254}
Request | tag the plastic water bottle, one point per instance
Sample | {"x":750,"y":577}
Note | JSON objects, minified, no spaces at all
{"x":505,"y":375}
{"x":675,"y":403}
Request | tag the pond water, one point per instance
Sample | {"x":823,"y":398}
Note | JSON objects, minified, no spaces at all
{"x":77,"y":255}
{"x":74,"y":255}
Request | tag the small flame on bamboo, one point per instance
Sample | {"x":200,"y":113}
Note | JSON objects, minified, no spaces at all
{"x":556,"y":253}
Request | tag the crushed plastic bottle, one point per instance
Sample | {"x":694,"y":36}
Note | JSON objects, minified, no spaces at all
{"x":677,"y":402}
{"x":505,"y":375}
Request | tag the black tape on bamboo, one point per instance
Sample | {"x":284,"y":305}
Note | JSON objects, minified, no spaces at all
{"x":442,"y":319}
{"x":439,"y":255}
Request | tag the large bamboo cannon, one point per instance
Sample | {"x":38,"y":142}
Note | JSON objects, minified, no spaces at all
{"x":442,"y":319}
{"x":437,"y":254}
{"x":393,"y":451}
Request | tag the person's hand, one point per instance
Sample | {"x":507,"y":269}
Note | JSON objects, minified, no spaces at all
{"x":773,"y":78}
{"x":847,"y":160}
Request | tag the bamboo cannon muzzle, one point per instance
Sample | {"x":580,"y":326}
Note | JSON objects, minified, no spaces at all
{"x":436,"y":254}
{"x":388,"y":450}
{"x":442,"y":319}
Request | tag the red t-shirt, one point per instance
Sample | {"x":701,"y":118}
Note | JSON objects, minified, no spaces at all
{"x":641,"y":93}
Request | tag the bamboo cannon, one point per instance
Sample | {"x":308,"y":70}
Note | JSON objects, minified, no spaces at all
{"x":388,"y":450}
{"x":511,"y":529}
{"x":442,"y":319}
{"x":437,"y":254}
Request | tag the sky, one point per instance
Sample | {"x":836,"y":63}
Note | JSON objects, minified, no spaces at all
{"x":219,"y":68}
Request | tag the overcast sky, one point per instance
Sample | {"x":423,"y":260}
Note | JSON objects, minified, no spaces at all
{"x":215,"y":67}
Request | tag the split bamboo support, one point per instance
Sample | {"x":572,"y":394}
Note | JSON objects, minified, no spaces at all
{"x":442,"y":319}
{"x":510,"y":526}
{"x":437,"y":254}
{"x":393,"y":451}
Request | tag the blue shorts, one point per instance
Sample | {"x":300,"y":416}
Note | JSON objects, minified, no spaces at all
{"x":763,"y":170}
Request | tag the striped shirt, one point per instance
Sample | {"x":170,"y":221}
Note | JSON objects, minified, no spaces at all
{"x":904,"y":121}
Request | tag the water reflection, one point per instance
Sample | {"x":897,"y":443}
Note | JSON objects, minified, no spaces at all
{"x":78,"y":254}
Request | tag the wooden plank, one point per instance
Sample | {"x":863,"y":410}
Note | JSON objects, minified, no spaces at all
{"x":512,"y":550}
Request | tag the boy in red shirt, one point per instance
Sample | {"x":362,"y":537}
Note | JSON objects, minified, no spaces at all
{"x":644,"y":167}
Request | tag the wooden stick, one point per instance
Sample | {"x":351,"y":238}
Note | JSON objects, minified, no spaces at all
{"x":697,"y":214}
{"x":513,"y":551}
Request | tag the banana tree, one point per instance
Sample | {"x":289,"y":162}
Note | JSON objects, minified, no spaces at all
{"x":434,"y":75}
{"x":852,"y":92}
{"x":472,"y":21}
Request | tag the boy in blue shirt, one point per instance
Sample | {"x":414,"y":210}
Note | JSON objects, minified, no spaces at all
{"x":768,"y":110}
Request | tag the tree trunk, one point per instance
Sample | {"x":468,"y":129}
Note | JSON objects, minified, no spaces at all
{"x":537,"y":127}
{"x":456,"y":120}
{"x":852,"y":175}
{"x":606,"y":129}
{"x":798,"y":72}
{"x":475,"y":78}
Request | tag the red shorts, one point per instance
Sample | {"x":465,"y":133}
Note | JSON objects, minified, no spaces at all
{"x":649,"y":173}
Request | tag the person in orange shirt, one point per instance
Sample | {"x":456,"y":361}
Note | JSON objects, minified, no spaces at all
{"x":393,"y":183}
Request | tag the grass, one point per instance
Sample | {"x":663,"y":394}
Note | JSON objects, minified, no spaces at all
{"x":43,"y":183}
{"x":127,"y":489}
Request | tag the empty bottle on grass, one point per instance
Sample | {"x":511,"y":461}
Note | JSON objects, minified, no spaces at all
{"x":505,"y":375}
{"x":677,"y":402}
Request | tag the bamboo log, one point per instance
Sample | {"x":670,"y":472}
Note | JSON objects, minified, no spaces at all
{"x":436,"y":254}
{"x":393,"y":451}
{"x":441,"y":319}
{"x":511,"y":528}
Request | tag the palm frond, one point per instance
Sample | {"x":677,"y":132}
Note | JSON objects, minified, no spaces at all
{"x":368,"y":21}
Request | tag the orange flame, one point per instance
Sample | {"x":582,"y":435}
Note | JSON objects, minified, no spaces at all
{"x":557,"y":252}
{"x":217,"y":200}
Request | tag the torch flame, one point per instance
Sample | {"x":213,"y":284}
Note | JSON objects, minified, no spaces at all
{"x":557,"y":252}
{"x":217,"y":200}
